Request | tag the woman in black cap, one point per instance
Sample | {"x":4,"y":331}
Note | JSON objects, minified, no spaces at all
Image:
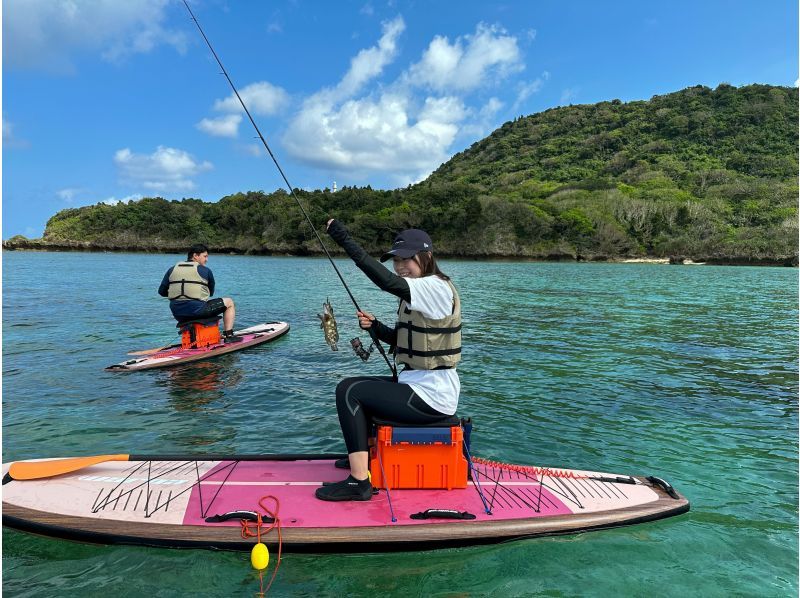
{"x":426,"y":339}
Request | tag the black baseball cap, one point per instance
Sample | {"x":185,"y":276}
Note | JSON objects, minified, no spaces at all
{"x":408,"y":244}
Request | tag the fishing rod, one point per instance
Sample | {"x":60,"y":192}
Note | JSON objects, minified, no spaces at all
{"x":372,"y":332}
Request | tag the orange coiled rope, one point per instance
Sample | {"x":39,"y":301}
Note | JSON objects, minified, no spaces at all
{"x":530,"y":469}
{"x":276,"y":524}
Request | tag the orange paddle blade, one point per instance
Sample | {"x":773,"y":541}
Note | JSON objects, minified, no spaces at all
{"x":32,"y":470}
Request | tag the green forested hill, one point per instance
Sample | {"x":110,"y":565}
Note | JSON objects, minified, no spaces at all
{"x":700,"y":173}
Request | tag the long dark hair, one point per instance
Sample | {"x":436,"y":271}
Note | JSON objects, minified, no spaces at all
{"x":428,"y":265}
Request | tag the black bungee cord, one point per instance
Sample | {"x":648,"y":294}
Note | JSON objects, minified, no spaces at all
{"x":371,"y":331}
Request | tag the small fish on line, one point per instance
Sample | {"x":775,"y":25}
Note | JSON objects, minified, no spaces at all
{"x":328,"y":325}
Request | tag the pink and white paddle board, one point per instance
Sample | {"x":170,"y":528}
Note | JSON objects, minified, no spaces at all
{"x":167,"y":501}
{"x":252,"y":336}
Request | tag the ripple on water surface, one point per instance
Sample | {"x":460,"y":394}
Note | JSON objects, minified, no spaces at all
{"x":685,"y":373}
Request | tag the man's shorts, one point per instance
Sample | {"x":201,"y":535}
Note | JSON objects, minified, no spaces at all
{"x":213,"y":307}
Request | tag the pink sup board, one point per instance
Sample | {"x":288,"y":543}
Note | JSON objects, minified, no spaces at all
{"x":252,"y":336}
{"x":167,"y":501}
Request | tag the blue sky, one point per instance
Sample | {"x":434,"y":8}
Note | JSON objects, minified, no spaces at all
{"x":107,"y":101}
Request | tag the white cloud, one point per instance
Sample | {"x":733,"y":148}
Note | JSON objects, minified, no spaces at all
{"x":9,"y":139}
{"x":526,"y":90}
{"x":469,"y":62}
{"x":491,"y":108}
{"x":260,"y":98}
{"x":48,"y":34}
{"x":441,"y":110}
{"x":68,"y":194}
{"x":404,"y":127}
{"x":112,"y":201}
{"x":484,"y":121}
{"x":387,"y":134}
{"x":8,"y":132}
{"x":334,"y":130}
{"x":253,"y":149}
{"x":167,"y":169}
{"x":370,"y":62}
{"x":224,"y":126}
{"x":567,"y":96}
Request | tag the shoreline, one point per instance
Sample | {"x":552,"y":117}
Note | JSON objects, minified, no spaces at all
{"x":42,"y":246}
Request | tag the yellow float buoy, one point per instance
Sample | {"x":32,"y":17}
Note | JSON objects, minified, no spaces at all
{"x":259,"y":557}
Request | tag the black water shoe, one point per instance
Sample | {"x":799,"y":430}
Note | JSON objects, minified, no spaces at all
{"x":342,"y":463}
{"x":349,"y":489}
{"x":230,"y":337}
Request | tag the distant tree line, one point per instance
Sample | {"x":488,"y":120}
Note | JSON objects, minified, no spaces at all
{"x":700,"y":173}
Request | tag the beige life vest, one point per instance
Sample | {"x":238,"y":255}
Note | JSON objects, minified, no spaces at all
{"x":426,"y":343}
{"x":186,"y":283}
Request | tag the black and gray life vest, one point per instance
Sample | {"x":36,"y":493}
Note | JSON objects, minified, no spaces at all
{"x":429,"y":344}
{"x":186,"y":283}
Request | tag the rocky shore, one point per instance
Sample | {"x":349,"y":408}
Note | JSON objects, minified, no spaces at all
{"x":20,"y":243}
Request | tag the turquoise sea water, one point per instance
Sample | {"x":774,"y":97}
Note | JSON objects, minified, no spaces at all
{"x":687,"y":373}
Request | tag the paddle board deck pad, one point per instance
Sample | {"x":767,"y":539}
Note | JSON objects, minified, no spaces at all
{"x":255,"y":335}
{"x":172,"y":501}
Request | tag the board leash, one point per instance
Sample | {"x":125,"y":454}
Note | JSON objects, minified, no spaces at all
{"x":259,"y":556}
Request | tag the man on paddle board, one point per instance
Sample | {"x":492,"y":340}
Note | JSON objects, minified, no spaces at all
{"x":426,"y":340}
{"x":189,"y":284}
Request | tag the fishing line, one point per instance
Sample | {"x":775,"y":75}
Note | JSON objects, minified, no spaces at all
{"x":372,"y":333}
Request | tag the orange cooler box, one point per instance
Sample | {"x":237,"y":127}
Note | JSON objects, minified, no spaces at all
{"x":419,"y":458}
{"x":199,"y":333}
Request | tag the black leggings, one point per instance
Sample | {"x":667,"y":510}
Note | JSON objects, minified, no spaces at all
{"x":357,"y":399}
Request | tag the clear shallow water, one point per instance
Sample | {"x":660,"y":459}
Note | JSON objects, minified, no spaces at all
{"x":688,"y":373}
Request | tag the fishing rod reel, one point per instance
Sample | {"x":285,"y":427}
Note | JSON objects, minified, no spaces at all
{"x":359,"y":349}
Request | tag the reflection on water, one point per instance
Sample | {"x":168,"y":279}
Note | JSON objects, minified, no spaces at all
{"x":199,"y":397}
{"x":200,"y":385}
{"x":685,"y":373}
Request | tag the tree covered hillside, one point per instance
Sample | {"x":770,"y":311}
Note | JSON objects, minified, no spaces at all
{"x":700,"y":173}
